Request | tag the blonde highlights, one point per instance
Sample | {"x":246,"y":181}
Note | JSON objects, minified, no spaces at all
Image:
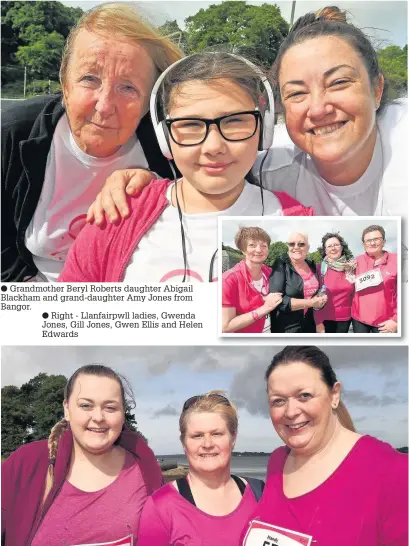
{"x":53,"y":440}
{"x":122,"y":21}
{"x":213,"y":401}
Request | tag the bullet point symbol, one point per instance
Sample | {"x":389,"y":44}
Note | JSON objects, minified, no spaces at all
{"x":4,"y":288}
{"x":45,"y":315}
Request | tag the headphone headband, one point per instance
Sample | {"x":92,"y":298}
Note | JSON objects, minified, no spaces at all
{"x":161,"y":131}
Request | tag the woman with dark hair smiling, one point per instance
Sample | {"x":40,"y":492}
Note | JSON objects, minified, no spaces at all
{"x":328,"y":485}
{"x":336,"y":273}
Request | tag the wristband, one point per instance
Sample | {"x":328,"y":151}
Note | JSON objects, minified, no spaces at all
{"x":255,"y":315}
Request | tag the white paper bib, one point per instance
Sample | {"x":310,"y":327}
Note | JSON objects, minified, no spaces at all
{"x":368,"y":280}
{"x":264,"y":534}
{"x":126,"y":541}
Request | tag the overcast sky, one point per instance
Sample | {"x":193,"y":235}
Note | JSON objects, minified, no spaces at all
{"x":375,"y":382}
{"x":384,"y":21}
{"x":279,"y":228}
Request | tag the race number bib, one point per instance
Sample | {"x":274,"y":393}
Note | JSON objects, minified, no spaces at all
{"x":126,"y":541}
{"x":368,"y":280}
{"x":264,"y":534}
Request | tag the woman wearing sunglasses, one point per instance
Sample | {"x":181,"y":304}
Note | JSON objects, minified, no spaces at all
{"x":375,"y":303}
{"x":337,"y":273}
{"x":296,"y":278}
{"x":246,"y":301}
{"x":209,"y":506}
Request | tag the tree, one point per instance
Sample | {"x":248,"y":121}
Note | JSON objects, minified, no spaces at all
{"x":33,"y":34}
{"x":276,"y":250}
{"x":44,"y":56}
{"x":172,"y":30}
{"x":393,"y":61}
{"x":15,"y":420}
{"x":254,"y":31}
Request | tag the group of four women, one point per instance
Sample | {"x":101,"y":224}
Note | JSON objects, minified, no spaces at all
{"x":213,"y":115}
{"x":298,"y":296}
{"x":95,"y":482}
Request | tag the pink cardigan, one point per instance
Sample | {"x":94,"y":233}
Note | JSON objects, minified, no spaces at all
{"x":102,"y":254}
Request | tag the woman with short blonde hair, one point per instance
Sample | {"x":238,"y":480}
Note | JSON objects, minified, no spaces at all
{"x":210,"y":506}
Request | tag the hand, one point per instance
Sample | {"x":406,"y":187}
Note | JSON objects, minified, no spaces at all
{"x":388,"y":327}
{"x":272,"y":300}
{"x":320,"y":328}
{"x":111,"y":200}
{"x":317,"y":302}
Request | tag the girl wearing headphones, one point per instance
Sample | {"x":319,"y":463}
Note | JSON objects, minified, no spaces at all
{"x":211,"y":112}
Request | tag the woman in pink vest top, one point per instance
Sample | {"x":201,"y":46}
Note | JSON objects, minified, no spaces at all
{"x":209,"y":506}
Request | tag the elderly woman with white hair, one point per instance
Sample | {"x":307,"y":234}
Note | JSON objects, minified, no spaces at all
{"x":296,"y":278}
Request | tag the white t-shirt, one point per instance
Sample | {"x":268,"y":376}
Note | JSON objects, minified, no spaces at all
{"x":159,"y":256}
{"x":258,"y":285}
{"x":72,"y":181}
{"x":382,"y":190}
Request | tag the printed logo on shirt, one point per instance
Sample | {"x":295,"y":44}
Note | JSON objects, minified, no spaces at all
{"x":264,"y":534}
{"x":126,"y":541}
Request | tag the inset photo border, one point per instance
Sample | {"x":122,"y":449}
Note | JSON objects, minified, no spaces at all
{"x":339,"y":277}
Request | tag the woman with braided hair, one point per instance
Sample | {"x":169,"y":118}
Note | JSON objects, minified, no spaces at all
{"x":55,"y":491}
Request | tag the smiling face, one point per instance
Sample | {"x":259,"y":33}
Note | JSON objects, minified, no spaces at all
{"x":374,"y":243}
{"x":256,"y":251}
{"x":299,"y":251}
{"x":208,"y":443}
{"x":329,"y":101}
{"x":106,"y":91}
{"x":95,"y":413}
{"x":301,"y":407}
{"x":216,"y":167}
{"x":333,"y":248}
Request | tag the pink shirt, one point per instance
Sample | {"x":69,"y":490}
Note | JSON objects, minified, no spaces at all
{"x":112,"y":513}
{"x":363,"y":503}
{"x":168,"y":519}
{"x":310,"y":283}
{"x":340,"y":293}
{"x":239,"y":292}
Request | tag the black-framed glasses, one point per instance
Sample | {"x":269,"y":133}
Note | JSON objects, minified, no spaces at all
{"x":374,"y":240}
{"x":233,"y":127}
{"x":193,"y":399}
{"x":296,"y":243}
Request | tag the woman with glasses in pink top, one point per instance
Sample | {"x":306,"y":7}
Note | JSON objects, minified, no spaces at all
{"x":375,"y":303}
{"x":210,"y":506}
{"x":337,"y":274}
{"x":296,"y":278}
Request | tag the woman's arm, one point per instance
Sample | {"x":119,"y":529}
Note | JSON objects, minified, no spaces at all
{"x":231,"y":322}
{"x":111,"y":202}
{"x":152,"y":530}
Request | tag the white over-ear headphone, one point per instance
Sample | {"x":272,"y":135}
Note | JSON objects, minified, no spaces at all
{"x":160,"y":127}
